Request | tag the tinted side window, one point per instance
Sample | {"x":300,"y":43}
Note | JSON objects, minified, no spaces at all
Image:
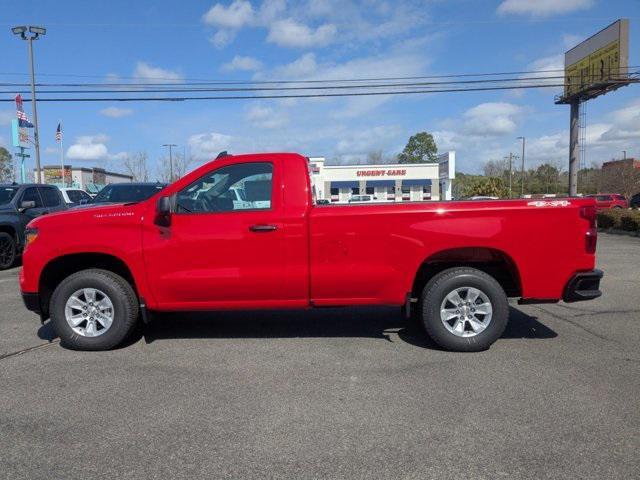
{"x":76,"y":196}
{"x":31,"y":195}
{"x":245,"y":186}
{"x":50,"y":197}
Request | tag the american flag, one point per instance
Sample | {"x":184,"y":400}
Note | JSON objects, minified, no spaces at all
{"x":23,"y":120}
{"x":59,"y":133}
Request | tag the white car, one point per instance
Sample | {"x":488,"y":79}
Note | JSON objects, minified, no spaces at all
{"x":484,"y":197}
{"x":75,"y":196}
{"x":360,"y":199}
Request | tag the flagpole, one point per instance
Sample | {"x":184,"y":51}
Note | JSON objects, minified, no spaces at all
{"x":61,"y":158}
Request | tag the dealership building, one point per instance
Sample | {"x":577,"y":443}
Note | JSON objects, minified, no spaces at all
{"x":402,"y":182}
{"x":90,"y":179}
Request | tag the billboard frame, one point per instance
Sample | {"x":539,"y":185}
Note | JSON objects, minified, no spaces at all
{"x":611,"y":44}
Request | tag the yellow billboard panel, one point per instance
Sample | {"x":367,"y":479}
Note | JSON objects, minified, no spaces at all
{"x":600,"y":59}
{"x":603,"y":65}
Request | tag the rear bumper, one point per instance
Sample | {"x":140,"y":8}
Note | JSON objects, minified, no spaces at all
{"x":583,"y":286}
{"x":32,"y":302}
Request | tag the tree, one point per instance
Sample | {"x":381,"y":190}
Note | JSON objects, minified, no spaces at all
{"x":6,"y":166}
{"x":375,"y":157}
{"x":485,"y":186}
{"x":496,"y":168}
{"x":621,"y":178}
{"x":181,"y":166}
{"x":136,"y":166}
{"x":421,"y":148}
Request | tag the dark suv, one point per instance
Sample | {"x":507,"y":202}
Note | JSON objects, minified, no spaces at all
{"x":19,"y":204}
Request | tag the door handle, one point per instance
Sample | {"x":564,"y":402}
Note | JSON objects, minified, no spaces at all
{"x":263,"y":228}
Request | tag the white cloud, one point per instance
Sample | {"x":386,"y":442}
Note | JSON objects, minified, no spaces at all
{"x":235,"y":16}
{"x":491,"y":119}
{"x":116,"y":112}
{"x":542,"y":8}
{"x":222,"y":38}
{"x":91,"y":148}
{"x":303,"y":67}
{"x":358,"y":143}
{"x":242,"y":63}
{"x":266,"y":117}
{"x":206,"y":146}
{"x":290,"y":33}
{"x":145,"y":72}
{"x":6,"y":117}
{"x":314,"y":23}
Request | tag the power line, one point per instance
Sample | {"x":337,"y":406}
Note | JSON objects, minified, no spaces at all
{"x":186,"y":88}
{"x":258,"y":97}
{"x":423,"y":87}
{"x":257,"y":82}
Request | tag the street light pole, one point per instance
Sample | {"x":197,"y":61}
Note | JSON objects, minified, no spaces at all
{"x":522,"y":169}
{"x":36,"y":133}
{"x":36,"y":32}
{"x":170,"y":145}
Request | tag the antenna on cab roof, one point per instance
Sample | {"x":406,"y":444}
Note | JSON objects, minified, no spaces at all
{"x":222,"y":154}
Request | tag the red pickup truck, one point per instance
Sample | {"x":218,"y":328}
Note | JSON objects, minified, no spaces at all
{"x":200,"y":245}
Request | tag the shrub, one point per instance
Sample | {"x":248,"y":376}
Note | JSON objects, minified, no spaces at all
{"x":605,"y":220}
{"x":630,"y":222}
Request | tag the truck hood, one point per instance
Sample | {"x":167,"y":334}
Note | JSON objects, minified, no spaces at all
{"x":94,"y":215}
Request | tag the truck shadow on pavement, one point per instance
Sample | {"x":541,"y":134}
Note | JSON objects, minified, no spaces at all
{"x":380,"y":323}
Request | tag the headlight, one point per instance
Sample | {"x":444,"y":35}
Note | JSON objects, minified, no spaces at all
{"x":30,"y":235}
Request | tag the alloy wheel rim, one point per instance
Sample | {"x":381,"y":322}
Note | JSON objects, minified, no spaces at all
{"x":6,"y":251}
{"x":466,"y":311}
{"x":89,"y":312}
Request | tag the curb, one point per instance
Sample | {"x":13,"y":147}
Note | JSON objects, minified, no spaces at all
{"x":614,"y":231}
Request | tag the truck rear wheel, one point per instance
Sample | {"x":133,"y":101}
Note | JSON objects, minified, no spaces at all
{"x":8,"y":251}
{"x":464,"y":309}
{"x":93,"y":310}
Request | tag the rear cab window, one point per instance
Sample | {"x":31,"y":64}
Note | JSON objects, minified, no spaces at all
{"x":7,"y":194}
{"x":51,"y":196}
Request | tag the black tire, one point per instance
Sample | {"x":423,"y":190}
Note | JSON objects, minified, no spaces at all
{"x":8,"y":251}
{"x":125,"y":309}
{"x":449,"y":280}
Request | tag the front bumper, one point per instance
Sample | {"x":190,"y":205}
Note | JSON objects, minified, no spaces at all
{"x":583,"y":286}
{"x":32,"y":302}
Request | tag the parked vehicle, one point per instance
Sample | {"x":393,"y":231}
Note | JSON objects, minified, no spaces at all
{"x":19,"y":204}
{"x":450,"y":264}
{"x":75,"y":196}
{"x":483,"y":197}
{"x":360,"y":199}
{"x":609,"y":200}
{"x":635,"y":201}
{"x":125,"y":193}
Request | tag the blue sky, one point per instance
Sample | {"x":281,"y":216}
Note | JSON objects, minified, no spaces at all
{"x":317,"y":39}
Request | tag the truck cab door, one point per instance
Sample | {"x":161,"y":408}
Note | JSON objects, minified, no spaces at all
{"x":31,"y":194}
{"x":217,"y":252}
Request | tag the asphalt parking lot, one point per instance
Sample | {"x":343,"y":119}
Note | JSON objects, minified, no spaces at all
{"x":355,"y":393}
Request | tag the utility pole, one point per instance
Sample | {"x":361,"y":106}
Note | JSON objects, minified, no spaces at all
{"x":522,"y":169}
{"x":36,"y":31}
{"x":510,"y":171}
{"x":170,"y":145}
{"x":574,"y":150}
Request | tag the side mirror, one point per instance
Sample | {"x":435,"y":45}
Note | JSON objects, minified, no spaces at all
{"x":26,"y":205}
{"x":84,"y":201}
{"x":163,"y":212}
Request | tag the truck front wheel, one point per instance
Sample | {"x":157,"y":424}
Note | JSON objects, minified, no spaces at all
{"x":464,"y":309}
{"x":93,"y":310}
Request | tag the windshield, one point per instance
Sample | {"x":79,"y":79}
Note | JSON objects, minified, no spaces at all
{"x":6,"y":194}
{"x":123,"y":193}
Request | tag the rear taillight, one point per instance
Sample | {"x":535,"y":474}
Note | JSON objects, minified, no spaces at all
{"x":591,"y":236}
